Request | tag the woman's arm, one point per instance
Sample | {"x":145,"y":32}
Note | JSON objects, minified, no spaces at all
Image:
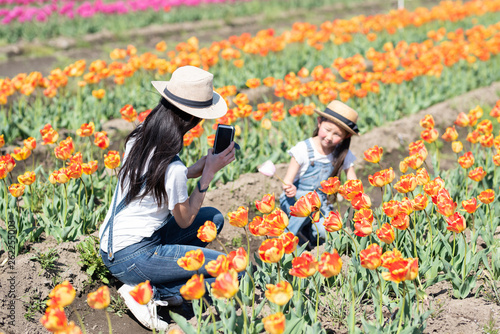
{"x":196,"y":169}
{"x":293,"y":168}
{"x":185,"y":213}
{"x":350,"y":173}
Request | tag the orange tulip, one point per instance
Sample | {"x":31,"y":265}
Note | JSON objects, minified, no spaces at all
{"x":314,"y":199}
{"x":128,"y":113}
{"x":450,"y":134}
{"x":457,"y":146}
{"x":274,"y":323}
{"x":304,"y":265}
{"x":486,"y":140}
{"x":330,"y":264}
{"x":269,"y":81}
{"x":21,"y":153}
{"x":241,"y":99}
{"x":226,"y":285}
{"x":477,"y":174}
{"x":75,"y":170}
{"x":29,"y":143}
{"x":361,"y":214}
{"x":16,"y":189}
{"x":99,"y":299}
{"x":391,"y":208}
{"x":422,"y":177}
{"x":76,"y":158}
{"x":333,"y":222}
{"x":238,"y":259}
{"x":101,"y":140}
{"x":485,"y":126}
{"x":271,"y":250}
{"x":432,"y":188}
{"x":389,"y":257}
{"x":142,"y":116}
{"x":397,"y":271}
{"x":266,"y":205}
{"x":59,"y":176}
{"x":473,"y":137}
{"x":487,"y":196}
{"x":280,"y":293}
{"x":49,"y":135}
{"x":62,"y":295}
{"x":210,"y":140}
{"x":444,"y":203}
{"x":194,"y":288}
{"x":257,"y":226}
{"x":187,"y":139}
{"x":301,"y":208}
{"x":54,"y":319}
{"x":420,"y":202}
{"x":86,"y":130}
{"x":350,"y":189}
{"x":238,"y":218}
{"x":418,"y":147}
{"x":361,"y":201}
{"x":401,"y":221}
{"x":386,"y":233}
{"x":363,"y":228}
{"x":429,"y":135}
{"x":405,"y":206}
{"x":371,"y":257}
{"x":89,"y":167}
{"x":2,"y":141}
{"x":427,"y":122}
{"x":71,"y":328}
{"x":406,"y":183}
{"x":330,"y":186}
{"x":99,"y":93}
{"x":414,"y":161}
{"x":161,"y":46}
{"x":290,"y":242}
{"x":142,"y":293}
{"x":218,"y":266}
{"x":377,"y":180}
{"x":462,"y":120}
{"x":412,"y":267}
{"x":496,"y":159}
{"x":470,"y":205}
{"x":27,"y":178}
{"x":207,"y":232}
{"x":192,"y":260}
{"x":456,"y":223}
{"x":276,"y":222}
{"x":3,"y":170}
{"x":403,"y":166}
{"x":112,"y":159}
{"x":62,"y":152}
{"x":253,"y":83}
{"x":374,"y":154}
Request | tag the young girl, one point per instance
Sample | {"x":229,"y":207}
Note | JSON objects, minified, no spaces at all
{"x":152,"y":221}
{"x":316,"y":159}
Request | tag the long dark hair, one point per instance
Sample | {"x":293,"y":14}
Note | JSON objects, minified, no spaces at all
{"x":339,"y":153}
{"x":161,"y":137}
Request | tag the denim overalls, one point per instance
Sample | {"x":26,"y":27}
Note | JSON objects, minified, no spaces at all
{"x":310,"y":181}
{"x":155,"y":258}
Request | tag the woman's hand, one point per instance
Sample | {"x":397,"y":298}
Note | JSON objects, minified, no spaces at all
{"x":290,"y":190}
{"x":216,"y":162}
{"x":196,"y":169}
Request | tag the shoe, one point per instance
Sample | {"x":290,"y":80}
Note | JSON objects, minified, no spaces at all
{"x":146,"y":314}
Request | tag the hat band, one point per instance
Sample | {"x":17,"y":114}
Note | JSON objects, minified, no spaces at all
{"x":186,"y":102}
{"x":344,"y":120}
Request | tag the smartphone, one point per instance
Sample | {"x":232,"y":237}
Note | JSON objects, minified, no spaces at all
{"x":223,"y":137}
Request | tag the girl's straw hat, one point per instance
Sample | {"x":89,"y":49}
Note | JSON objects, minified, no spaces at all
{"x":191,"y":89}
{"x":342,"y":115}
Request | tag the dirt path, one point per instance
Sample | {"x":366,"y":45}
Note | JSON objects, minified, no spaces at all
{"x":450,"y":316}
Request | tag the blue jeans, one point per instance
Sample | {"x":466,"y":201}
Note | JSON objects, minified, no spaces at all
{"x":155,"y":258}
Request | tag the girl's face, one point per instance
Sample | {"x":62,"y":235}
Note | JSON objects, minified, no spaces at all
{"x":330,"y":134}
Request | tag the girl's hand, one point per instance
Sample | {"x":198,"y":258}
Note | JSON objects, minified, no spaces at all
{"x":290,"y":190}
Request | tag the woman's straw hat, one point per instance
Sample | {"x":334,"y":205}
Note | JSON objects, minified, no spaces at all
{"x":191,"y":89}
{"x":342,"y":115}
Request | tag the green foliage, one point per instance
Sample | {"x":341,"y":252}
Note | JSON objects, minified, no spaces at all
{"x":91,"y":261}
{"x":34,"y":306}
{"x":47,"y":260}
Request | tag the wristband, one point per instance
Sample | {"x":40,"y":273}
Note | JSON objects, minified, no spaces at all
{"x":199,"y":188}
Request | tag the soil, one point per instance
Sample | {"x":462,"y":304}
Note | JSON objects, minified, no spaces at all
{"x":450,"y":315}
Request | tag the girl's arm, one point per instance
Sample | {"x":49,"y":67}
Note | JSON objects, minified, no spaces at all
{"x":293,"y":168}
{"x":350,"y":173}
{"x":185,"y":213}
{"x":196,"y":169}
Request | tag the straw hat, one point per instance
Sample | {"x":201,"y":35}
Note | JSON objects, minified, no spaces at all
{"x":342,"y":115}
{"x":191,"y":89}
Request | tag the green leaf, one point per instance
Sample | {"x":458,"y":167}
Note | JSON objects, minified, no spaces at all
{"x":182,"y":323}
{"x":294,"y":326}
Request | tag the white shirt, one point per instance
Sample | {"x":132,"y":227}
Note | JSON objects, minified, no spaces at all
{"x":299,"y":152}
{"x":141,"y":218}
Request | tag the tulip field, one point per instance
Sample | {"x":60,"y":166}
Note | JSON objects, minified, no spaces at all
{"x":420,"y":218}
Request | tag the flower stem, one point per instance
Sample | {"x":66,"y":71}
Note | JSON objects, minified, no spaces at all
{"x":243,"y":311}
{"x":317,"y":299}
{"x":354,"y":241}
{"x":79,"y":320}
{"x":248,"y":245}
{"x":453,"y":254}
{"x":211,"y":313}
{"x":222,"y":245}
{"x":381,"y":316}
{"x":199,"y":316}
{"x":65,"y":211}
{"x":465,"y":258}
{"x":401,"y":315}
{"x":109,"y":322}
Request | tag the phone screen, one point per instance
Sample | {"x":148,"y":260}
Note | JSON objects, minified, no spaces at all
{"x":223,"y":138}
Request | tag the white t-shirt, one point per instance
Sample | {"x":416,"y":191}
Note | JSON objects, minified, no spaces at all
{"x":141,"y":218}
{"x":299,"y":152}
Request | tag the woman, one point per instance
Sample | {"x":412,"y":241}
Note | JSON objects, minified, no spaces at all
{"x":152,"y":221}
